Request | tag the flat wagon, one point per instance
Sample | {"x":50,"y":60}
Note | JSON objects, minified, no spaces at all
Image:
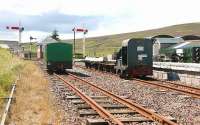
{"x":134,"y":59}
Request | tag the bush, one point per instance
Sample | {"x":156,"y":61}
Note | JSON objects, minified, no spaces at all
{"x":9,"y":70}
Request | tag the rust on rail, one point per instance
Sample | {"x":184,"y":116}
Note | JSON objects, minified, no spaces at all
{"x":189,"y":90}
{"x":99,"y":109}
{"x":136,"y":107}
{"x":183,"y":91}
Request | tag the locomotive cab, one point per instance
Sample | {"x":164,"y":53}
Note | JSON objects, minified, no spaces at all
{"x":135,"y":58}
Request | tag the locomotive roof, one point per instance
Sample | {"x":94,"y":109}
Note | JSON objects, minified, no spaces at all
{"x":191,"y":37}
{"x":125,"y":42}
{"x":162,"y":36}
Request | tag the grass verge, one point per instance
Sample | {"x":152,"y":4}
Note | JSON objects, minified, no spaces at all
{"x":10,"y":67}
{"x":34,"y":103}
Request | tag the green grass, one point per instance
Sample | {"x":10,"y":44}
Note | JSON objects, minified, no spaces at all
{"x":105,"y":45}
{"x":9,"y":68}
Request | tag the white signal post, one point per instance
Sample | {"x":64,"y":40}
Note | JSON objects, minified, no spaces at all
{"x":83,"y":44}
{"x":84,"y":33}
{"x":20,"y":33}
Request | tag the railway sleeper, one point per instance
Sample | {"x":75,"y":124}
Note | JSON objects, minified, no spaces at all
{"x":120,"y":111}
{"x":126,"y":120}
{"x":76,"y":102}
{"x":108,"y":106}
{"x":93,"y":97}
{"x":135,"y":118}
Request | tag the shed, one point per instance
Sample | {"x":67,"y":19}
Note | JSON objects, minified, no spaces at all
{"x":190,"y":50}
{"x":190,"y":37}
{"x":160,"y":44}
{"x":187,"y":44}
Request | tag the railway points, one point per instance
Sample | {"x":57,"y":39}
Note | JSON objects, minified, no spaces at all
{"x":114,"y":80}
{"x":184,"y":89}
{"x":135,"y":108}
{"x":122,"y":98}
{"x":83,"y":63}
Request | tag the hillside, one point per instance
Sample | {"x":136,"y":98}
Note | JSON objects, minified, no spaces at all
{"x":108,"y":44}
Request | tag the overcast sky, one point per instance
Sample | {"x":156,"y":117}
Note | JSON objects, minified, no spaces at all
{"x":100,"y":17}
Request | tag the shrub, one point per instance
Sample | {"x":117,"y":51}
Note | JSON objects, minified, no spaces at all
{"x":9,"y":69}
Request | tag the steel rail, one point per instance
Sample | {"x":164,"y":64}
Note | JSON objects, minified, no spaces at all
{"x":136,"y":107}
{"x":8,"y":105}
{"x":99,"y":109}
{"x":191,"y":93}
{"x":191,"y":88}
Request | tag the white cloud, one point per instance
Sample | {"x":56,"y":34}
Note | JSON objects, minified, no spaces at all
{"x":39,"y":35}
{"x":28,"y":7}
{"x":75,"y":7}
{"x":120,"y":15}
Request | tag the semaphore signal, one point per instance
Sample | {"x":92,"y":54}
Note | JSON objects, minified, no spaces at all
{"x":80,"y":30}
{"x":15,"y":28}
{"x":85,"y":31}
{"x":18,"y":28}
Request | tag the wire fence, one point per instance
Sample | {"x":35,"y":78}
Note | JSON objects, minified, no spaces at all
{"x":8,"y":104}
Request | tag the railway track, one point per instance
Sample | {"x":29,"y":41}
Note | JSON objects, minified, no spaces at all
{"x":112,"y":108}
{"x":183,"y":89}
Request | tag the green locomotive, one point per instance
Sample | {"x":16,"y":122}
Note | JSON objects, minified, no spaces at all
{"x":58,"y":56}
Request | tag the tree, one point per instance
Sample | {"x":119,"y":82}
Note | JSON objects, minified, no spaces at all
{"x":55,"y":35}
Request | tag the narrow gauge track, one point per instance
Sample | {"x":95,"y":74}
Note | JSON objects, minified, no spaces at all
{"x":105,"y":113}
{"x":183,"y":89}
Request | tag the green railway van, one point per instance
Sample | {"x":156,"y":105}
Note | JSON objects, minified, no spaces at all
{"x":58,"y":56}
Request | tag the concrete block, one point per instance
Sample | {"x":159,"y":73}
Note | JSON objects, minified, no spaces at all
{"x":182,"y":79}
{"x":165,"y":76}
{"x":188,"y":81}
{"x":96,"y":122}
{"x":155,"y":74}
{"x":195,"y":82}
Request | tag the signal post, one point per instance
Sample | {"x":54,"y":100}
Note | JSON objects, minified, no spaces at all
{"x":84,"y":33}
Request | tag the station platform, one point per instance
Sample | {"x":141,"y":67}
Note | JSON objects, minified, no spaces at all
{"x":187,"y":73}
{"x":191,"y":67}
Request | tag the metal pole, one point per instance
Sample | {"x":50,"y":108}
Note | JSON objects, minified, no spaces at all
{"x":30,"y":48}
{"x":74,"y":40}
{"x":20,"y":33}
{"x":20,"y":36}
{"x":83,"y":44}
{"x":8,"y":106}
